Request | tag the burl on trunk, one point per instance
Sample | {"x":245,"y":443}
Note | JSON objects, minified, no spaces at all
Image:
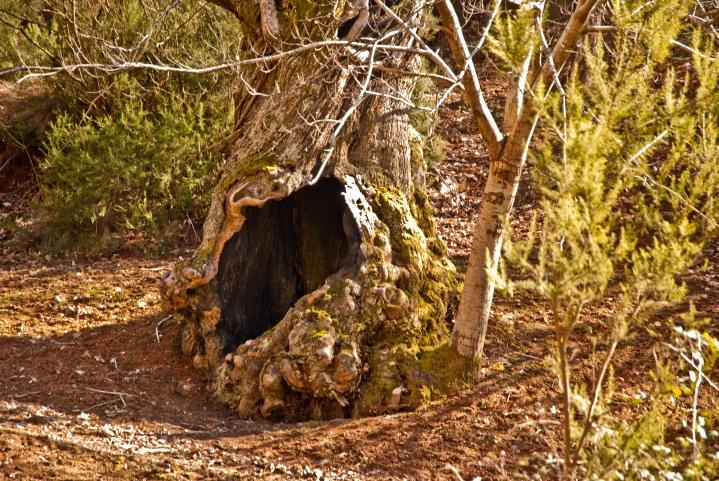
{"x":320,"y":288}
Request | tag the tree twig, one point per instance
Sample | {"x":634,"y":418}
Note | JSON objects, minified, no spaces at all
{"x":434,"y":55}
{"x":341,"y":122}
{"x":595,"y":401}
{"x":695,"y":401}
{"x":119,"y":67}
{"x":691,"y":363}
{"x":114,"y":393}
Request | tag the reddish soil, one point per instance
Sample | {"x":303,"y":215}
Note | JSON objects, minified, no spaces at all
{"x":89,"y":391}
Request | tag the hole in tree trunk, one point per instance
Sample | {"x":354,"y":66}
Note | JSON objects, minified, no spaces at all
{"x":285,"y":249}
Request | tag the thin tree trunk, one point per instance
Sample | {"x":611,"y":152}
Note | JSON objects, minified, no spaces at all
{"x":508,"y":153}
{"x":470,"y":328}
{"x":564,"y":373}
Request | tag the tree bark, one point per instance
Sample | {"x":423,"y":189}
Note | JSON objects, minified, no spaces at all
{"x":320,"y":288}
{"x":470,"y":329}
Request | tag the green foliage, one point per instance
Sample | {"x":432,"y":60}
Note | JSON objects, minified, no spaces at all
{"x":132,"y":171}
{"x":126,"y":152}
{"x":512,"y":36}
{"x":660,"y":444}
{"x":59,"y":32}
{"x":627,"y":179}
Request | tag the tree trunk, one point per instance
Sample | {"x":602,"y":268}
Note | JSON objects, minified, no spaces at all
{"x":320,"y":288}
{"x":500,"y":190}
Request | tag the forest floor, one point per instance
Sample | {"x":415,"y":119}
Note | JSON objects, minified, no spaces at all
{"x":93,"y":384}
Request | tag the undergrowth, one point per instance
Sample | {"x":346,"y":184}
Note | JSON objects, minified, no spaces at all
{"x":124,"y":157}
{"x":625,"y":171}
{"x":133,"y":170}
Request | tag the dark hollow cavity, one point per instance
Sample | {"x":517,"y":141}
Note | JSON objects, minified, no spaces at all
{"x":285,"y":249}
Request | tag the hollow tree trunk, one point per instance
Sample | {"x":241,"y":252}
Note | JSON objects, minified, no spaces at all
{"x":318,"y":290}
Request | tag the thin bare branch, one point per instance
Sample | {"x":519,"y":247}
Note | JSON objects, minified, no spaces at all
{"x":472,"y":88}
{"x":689,"y":361}
{"x":341,"y":122}
{"x":595,"y":401}
{"x":691,"y":50}
{"x":114,"y":68}
{"x":568,"y":40}
{"x":432,"y":54}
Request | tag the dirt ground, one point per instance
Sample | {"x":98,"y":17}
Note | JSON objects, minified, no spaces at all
{"x":93,"y":384}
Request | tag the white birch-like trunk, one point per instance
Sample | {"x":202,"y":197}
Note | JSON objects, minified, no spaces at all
{"x":470,"y":328}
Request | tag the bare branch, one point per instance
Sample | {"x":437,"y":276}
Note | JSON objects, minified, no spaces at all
{"x":472,"y":89}
{"x":408,"y":73}
{"x":691,"y":50}
{"x":550,"y":60}
{"x":335,"y":134}
{"x":600,"y":29}
{"x":485,"y":33}
{"x":568,"y":40}
{"x":595,"y":401}
{"x":521,"y":133}
{"x":432,"y":54}
{"x":114,"y":68}
{"x":692,"y":364}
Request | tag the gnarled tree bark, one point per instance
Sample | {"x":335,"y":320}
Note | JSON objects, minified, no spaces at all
{"x":320,"y":288}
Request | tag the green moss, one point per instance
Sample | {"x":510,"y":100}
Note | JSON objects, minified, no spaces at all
{"x":251,"y":166}
{"x":434,"y":150}
{"x":419,"y":356}
{"x":416,"y":146}
{"x":427,"y":373}
{"x":416,"y":358}
{"x":383,"y":376}
{"x":226,"y":395}
{"x":320,"y":313}
{"x":432,"y":284}
{"x":319,"y":333}
{"x":337,"y":288}
{"x":422,"y":211}
{"x":436,"y":373}
{"x":204,"y":252}
{"x":423,"y":95}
